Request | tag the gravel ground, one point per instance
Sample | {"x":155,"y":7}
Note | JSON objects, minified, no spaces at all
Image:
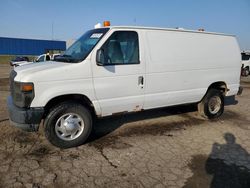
{"x":169,"y":147}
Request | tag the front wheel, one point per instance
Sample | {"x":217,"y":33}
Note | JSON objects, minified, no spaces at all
{"x":246,"y":71}
{"x":68,"y":125}
{"x":212,"y":105}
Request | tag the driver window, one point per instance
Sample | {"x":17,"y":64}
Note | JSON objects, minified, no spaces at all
{"x":121,"y":48}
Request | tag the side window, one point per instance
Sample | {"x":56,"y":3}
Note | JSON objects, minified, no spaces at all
{"x":245,"y":57}
{"x":122,"y":47}
{"x":40,"y":59}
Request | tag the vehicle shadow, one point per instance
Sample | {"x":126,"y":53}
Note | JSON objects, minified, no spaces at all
{"x":228,"y":165}
{"x":109,"y":124}
{"x":230,"y":100}
{"x":104,"y":126}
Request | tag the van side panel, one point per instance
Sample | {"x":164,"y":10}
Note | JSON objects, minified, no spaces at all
{"x":60,"y":79}
{"x":182,"y":65}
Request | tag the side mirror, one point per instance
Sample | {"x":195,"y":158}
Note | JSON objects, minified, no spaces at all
{"x":100,"y":57}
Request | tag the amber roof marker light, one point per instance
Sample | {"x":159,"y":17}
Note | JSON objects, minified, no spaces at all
{"x":106,"y":23}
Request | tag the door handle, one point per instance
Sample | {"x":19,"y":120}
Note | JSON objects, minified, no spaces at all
{"x":141,"y":81}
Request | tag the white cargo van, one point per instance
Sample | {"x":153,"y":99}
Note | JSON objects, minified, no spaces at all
{"x":116,"y":69}
{"x":245,"y":68}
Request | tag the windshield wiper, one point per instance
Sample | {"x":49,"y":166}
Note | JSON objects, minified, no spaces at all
{"x":65,"y":58}
{"x":64,"y":55}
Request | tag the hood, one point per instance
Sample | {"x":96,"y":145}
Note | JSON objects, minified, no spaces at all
{"x":45,"y":71}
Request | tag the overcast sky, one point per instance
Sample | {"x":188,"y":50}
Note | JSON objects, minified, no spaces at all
{"x":71,"y":18}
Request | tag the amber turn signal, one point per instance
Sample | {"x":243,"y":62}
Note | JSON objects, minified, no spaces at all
{"x":27,"y":87}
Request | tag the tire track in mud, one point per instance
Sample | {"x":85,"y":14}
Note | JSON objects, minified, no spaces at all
{"x":3,"y":120}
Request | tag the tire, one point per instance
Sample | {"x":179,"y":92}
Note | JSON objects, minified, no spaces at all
{"x":68,"y":125}
{"x":212,"y":105}
{"x":246,"y":71}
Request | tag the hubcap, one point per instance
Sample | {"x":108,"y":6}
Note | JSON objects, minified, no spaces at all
{"x":247,"y":72}
{"x":214,"y":105}
{"x":69,"y":126}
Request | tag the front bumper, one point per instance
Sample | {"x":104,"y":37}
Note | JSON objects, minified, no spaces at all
{"x":27,"y":119}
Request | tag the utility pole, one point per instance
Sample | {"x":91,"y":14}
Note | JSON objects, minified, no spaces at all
{"x":52,"y":32}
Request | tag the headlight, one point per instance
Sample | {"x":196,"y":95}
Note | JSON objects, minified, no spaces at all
{"x":23,"y":94}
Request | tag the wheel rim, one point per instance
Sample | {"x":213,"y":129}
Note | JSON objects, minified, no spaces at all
{"x":247,"y":72}
{"x":69,"y":126}
{"x":214,"y":105}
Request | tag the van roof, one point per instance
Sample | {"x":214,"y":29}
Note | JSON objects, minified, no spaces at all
{"x":168,"y":29}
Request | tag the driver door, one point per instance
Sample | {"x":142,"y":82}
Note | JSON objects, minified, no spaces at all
{"x":119,"y":80}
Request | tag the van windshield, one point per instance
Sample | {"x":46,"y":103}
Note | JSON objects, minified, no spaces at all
{"x":245,"y":57}
{"x":80,"y":49}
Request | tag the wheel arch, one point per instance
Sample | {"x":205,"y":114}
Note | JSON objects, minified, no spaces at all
{"x":220,"y":85}
{"x":82,"y":99}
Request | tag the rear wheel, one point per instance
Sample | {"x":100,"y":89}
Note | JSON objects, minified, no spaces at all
{"x":212,"y":105}
{"x":68,"y":125}
{"x":246,"y":71}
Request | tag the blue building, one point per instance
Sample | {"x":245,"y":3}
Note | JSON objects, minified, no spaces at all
{"x":29,"y":47}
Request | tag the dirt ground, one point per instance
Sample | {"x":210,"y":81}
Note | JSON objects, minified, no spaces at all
{"x":4,"y":70}
{"x":169,"y":147}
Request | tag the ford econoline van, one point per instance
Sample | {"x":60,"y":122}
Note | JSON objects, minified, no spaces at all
{"x":120,"y":69}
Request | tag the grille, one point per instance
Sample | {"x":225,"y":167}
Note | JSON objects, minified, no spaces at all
{"x":12,"y":76}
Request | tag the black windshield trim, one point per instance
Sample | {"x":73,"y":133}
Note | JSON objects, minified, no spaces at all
{"x":64,"y":58}
{"x":100,"y":30}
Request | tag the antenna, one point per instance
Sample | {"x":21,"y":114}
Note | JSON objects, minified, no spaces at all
{"x":52,"y":32}
{"x":135,"y":21}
